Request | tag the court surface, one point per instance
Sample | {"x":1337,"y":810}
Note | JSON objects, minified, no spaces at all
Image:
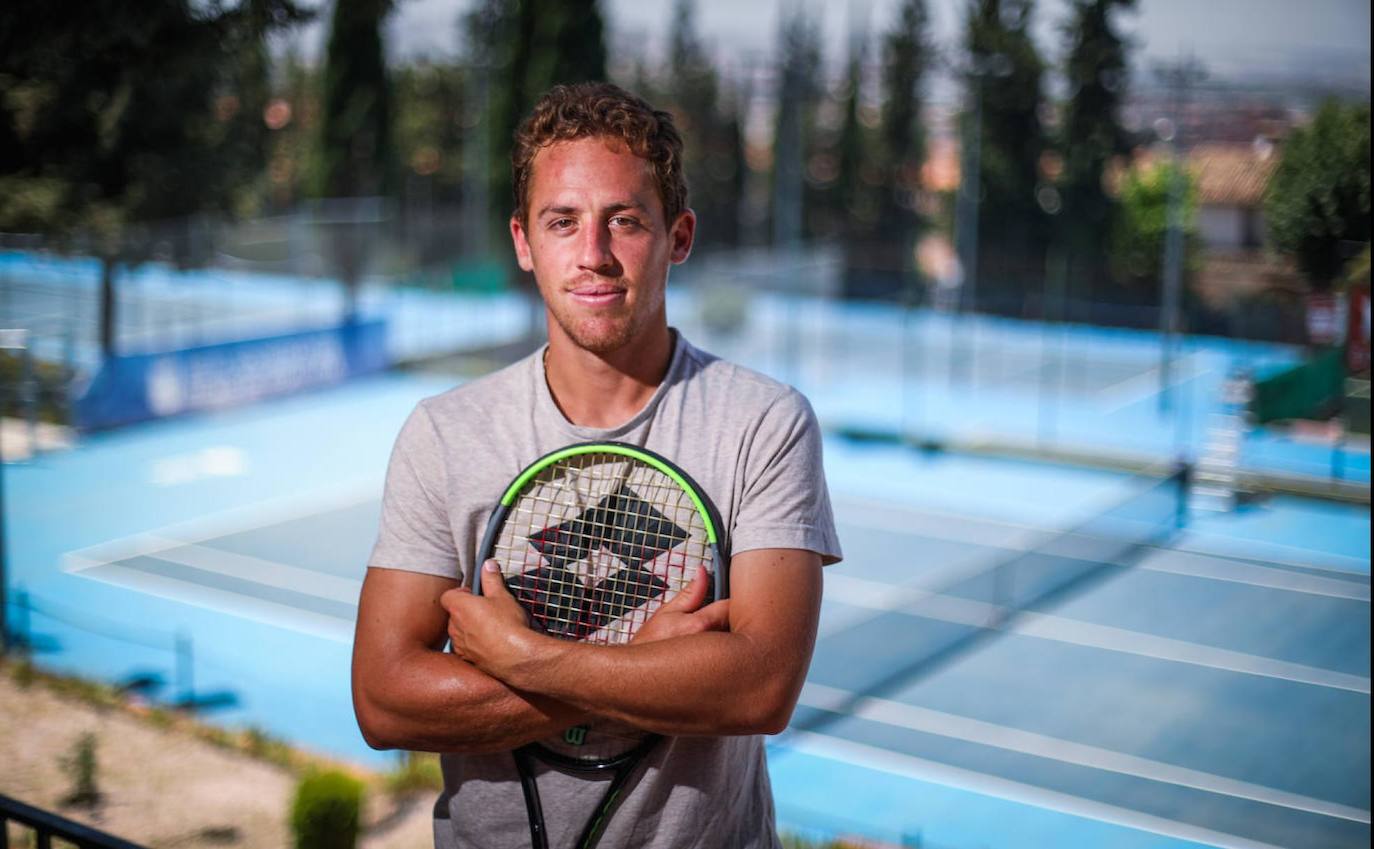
{"x":974,"y":381}
{"x":1214,"y":693}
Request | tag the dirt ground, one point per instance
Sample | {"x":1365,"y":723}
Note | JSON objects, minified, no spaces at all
{"x":165,"y":786}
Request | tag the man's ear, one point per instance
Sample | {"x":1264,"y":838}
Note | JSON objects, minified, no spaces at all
{"x":682,"y":232}
{"x":522,"y":244}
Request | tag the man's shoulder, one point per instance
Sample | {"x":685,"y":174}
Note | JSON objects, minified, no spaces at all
{"x":475,"y":399}
{"x":742,"y":386}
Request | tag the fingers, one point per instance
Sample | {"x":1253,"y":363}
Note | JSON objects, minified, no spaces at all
{"x":493,"y":585}
{"x":715,"y":616}
{"x":692,"y":595}
{"x":450,"y":598}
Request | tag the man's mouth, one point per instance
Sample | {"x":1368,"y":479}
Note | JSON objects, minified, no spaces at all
{"x":597,"y":294}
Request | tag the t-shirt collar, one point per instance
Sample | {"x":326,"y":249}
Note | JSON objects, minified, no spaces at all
{"x":548,"y":410}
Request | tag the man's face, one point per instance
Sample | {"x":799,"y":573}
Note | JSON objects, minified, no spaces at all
{"x":597,"y":242}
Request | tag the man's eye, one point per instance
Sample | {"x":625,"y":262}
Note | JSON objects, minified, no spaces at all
{"x":624,"y":221}
{"x":560,"y":223}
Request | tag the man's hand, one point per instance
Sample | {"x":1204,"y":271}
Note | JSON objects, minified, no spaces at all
{"x":684,"y":614}
{"x":490,"y":631}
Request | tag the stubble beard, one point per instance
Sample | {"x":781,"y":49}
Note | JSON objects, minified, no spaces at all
{"x":605,"y":334}
{"x":599,"y":335}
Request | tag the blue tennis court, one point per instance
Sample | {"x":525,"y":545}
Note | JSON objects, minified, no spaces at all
{"x":1213,"y":692}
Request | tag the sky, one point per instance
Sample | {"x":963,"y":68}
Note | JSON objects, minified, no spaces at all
{"x":1236,"y":39}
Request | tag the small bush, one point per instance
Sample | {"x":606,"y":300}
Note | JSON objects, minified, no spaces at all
{"x":48,"y":391}
{"x":326,"y":811}
{"x":81,"y":768}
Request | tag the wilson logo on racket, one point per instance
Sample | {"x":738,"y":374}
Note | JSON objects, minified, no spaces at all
{"x":575,"y":736}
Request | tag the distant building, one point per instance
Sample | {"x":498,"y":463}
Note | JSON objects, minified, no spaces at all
{"x":1231,"y":179}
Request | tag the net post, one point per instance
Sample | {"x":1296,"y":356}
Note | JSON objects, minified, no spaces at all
{"x":1183,"y":474}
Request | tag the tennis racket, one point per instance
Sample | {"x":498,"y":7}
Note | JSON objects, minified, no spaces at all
{"x":592,"y":539}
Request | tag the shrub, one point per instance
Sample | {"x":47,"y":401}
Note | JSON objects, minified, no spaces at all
{"x":81,"y":768}
{"x":326,"y":811}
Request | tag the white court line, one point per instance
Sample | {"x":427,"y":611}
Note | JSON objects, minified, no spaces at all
{"x":1045,"y":626}
{"x":1195,"y":565}
{"x":949,"y":526}
{"x":232,"y":603}
{"x":953,"y":726}
{"x":260,"y":514}
{"x":266,"y":572}
{"x":920,"y":769}
{"x":1357,"y":565}
{"x":989,"y":533}
{"x":177,"y":543}
{"x":1202,"y":564}
{"x":1145,"y":385}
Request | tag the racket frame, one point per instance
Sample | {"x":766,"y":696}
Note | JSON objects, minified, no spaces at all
{"x":710,"y":518}
{"x":623,"y":765}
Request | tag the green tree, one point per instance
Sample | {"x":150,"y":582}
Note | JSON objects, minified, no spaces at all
{"x":707,"y":115}
{"x":354,"y":156}
{"x":1091,"y":135}
{"x":431,"y":106}
{"x":525,"y":47}
{"x":1004,"y":86}
{"x":112,"y":125}
{"x":1139,"y":230}
{"x":907,"y":55}
{"x":856,"y":205}
{"x":793,"y":130}
{"x":355,"y":128}
{"x":1317,"y":202}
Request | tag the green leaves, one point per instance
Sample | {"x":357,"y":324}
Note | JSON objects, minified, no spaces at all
{"x":1317,"y":203}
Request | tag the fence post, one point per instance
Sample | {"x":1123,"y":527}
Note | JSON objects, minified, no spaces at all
{"x":185,"y":670}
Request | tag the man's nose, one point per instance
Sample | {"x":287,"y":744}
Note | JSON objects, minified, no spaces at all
{"x":596,"y":248}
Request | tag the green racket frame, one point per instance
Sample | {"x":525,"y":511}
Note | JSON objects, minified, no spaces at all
{"x":710,"y":518}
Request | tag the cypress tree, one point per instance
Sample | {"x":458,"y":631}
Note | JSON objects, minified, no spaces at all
{"x":906,"y":57}
{"x":1003,"y":84}
{"x":1091,"y":135}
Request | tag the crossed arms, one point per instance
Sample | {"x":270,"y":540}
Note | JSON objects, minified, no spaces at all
{"x":732,"y":667}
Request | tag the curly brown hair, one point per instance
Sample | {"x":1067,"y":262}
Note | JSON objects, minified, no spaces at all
{"x":583,"y":110}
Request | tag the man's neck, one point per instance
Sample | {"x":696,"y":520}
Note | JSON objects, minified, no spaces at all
{"x":606,"y":390}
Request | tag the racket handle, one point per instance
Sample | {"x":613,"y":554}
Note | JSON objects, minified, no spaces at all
{"x":524,"y":763}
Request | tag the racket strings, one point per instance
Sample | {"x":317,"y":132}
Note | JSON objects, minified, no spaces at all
{"x":597,"y":544}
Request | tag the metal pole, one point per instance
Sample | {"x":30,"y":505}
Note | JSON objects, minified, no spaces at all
{"x":966,"y":219}
{"x":4,"y":565}
{"x":185,"y":682}
{"x":1181,"y":77}
{"x":9,"y":340}
{"x":1173,"y":281}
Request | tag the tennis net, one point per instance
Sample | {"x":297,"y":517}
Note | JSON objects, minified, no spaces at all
{"x":920,"y":628}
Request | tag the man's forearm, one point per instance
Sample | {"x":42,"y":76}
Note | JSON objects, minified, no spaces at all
{"x":435,"y":701}
{"x":709,"y":683}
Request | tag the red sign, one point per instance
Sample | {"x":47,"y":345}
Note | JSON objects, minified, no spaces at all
{"x":1324,"y":324}
{"x":1357,"y":330}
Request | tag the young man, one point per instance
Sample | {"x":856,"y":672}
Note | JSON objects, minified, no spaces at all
{"x":601,"y":215}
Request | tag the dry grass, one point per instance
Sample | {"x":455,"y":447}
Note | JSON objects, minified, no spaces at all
{"x":164,"y":779}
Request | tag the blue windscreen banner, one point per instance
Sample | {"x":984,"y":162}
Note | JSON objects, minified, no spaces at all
{"x":139,"y":387}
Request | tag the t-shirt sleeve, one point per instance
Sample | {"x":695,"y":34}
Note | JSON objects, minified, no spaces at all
{"x":785,"y":502}
{"x":415,"y":533}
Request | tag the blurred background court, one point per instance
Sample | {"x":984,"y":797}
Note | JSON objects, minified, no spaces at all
{"x":1079,"y":292}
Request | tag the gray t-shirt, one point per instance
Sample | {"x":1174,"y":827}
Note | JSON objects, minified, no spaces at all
{"x":750,"y":442}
